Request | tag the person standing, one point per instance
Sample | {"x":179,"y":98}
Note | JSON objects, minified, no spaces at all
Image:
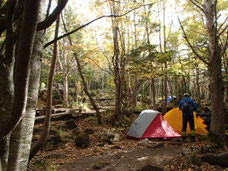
{"x":187,"y":105}
{"x":206,"y":116}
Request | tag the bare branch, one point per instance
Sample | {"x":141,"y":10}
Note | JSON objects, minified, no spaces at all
{"x":53,"y":16}
{"x":225,"y":46}
{"x":81,"y":27}
{"x":226,"y":27}
{"x":223,"y":23}
{"x":197,"y":5}
{"x":190,"y":45}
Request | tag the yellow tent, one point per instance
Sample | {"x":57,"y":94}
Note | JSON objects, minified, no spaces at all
{"x":174,"y":118}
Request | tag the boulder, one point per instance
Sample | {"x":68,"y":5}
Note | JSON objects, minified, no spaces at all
{"x":82,"y":140}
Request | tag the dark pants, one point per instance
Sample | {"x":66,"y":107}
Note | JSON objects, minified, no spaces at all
{"x":187,"y":119}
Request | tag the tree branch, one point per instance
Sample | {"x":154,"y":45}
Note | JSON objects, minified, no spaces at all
{"x":196,"y":4}
{"x":190,"y":45}
{"x":225,"y":45}
{"x":226,"y":27}
{"x":81,"y":27}
{"x":222,"y":23}
{"x":53,"y":16}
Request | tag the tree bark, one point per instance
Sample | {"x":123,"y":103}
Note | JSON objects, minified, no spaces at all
{"x":116,"y":63}
{"x":40,"y":143}
{"x":21,"y":137}
{"x":26,"y":40}
{"x":4,"y":152}
{"x":164,"y":108}
{"x":217,"y":131}
{"x":198,"y":93}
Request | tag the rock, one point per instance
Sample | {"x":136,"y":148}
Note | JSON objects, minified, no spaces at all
{"x":82,"y":140}
{"x":89,"y":131}
{"x":100,"y":165}
{"x":70,"y":124}
{"x":151,"y":168}
{"x":220,"y":159}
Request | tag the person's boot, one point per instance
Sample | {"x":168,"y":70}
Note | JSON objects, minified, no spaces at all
{"x":184,"y":138}
{"x":193,"y":138}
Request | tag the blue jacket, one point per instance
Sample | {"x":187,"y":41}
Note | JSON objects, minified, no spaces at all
{"x":194,"y":105}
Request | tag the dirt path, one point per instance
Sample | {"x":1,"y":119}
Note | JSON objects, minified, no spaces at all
{"x":126,"y":160}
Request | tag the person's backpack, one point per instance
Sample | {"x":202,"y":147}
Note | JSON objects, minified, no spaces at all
{"x":187,"y":107}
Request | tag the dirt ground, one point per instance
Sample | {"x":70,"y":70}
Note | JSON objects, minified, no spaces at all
{"x":130,"y":160}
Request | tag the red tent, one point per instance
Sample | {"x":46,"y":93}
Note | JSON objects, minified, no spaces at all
{"x":151,"y":124}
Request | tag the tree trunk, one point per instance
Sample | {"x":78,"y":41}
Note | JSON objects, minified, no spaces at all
{"x":40,"y":143}
{"x":116,"y":63}
{"x":65,"y":91}
{"x":153,"y":94}
{"x":198,"y":93}
{"x":21,"y":137}
{"x":26,"y":41}
{"x":85,"y":85}
{"x":216,"y":88}
{"x":164,"y":109}
{"x":86,"y":90}
{"x":4,"y":152}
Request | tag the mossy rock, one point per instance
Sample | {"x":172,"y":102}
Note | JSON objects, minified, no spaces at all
{"x":82,"y":140}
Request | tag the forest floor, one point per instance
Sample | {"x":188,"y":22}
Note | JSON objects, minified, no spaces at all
{"x":123,"y":155}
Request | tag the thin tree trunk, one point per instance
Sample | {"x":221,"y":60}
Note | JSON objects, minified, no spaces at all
{"x":84,"y":81}
{"x":65,"y":91}
{"x":86,"y":90}
{"x":198,"y":93}
{"x":40,"y":143}
{"x":164,"y":109}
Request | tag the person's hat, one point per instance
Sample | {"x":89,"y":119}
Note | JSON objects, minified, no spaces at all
{"x":186,"y":94}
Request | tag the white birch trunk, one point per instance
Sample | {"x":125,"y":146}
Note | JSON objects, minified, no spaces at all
{"x":21,"y":137}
